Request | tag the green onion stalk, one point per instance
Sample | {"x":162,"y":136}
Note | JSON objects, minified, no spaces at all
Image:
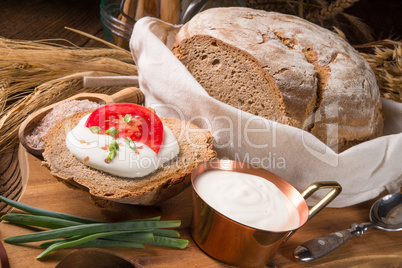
{"x":65,"y":230}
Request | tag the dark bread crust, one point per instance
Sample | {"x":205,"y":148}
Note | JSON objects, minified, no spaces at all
{"x":170,"y":179}
{"x":321,"y":84}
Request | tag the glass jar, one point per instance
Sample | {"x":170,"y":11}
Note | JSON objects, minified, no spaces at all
{"x":116,"y":26}
{"x":196,"y":6}
{"x":119,"y":16}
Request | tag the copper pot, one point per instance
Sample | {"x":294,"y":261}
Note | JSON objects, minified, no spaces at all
{"x":237,"y":244}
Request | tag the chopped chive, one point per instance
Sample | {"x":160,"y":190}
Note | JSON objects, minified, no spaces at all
{"x":54,"y":241}
{"x":114,"y":146}
{"x":76,"y":242}
{"x":133,"y":237}
{"x":69,"y":231}
{"x":88,"y":229}
{"x":112,"y":131}
{"x":44,"y":212}
{"x":95,"y":243}
{"x":131,"y":143}
{"x":166,"y":233}
{"x":39,"y":221}
{"x":95,"y":129}
{"x":143,"y":235}
{"x":111,"y":243}
{"x":111,"y":155}
{"x":157,"y":218}
{"x":169,"y":242}
{"x":127,"y":118}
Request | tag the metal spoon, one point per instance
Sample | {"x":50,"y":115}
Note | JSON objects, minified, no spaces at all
{"x":94,"y":258}
{"x":385,"y":214}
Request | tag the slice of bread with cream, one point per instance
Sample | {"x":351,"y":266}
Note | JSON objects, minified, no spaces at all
{"x":169,"y":178}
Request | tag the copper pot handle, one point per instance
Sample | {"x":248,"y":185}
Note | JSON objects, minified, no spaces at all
{"x":336,"y":190}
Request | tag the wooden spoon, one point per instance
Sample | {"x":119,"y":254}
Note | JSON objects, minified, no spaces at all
{"x":130,"y":94}
{"x":94,"y":258}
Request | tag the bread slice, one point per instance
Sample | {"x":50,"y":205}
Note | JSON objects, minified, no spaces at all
{"x":170,"y":179}
{"x":286,"y":69}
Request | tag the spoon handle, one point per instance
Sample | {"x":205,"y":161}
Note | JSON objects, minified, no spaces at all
{"x":129,"y":94}
{"x":323,"y":245}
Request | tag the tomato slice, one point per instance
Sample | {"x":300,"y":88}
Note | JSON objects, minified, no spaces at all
{"x":145,"y":126}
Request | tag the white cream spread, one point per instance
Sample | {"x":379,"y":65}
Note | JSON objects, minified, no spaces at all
{"x":247,"y":199}
{"x":91,"y":149}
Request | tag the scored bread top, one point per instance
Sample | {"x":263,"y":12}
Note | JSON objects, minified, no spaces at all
{"x":195,"y":147}
{"x":320,"y":82}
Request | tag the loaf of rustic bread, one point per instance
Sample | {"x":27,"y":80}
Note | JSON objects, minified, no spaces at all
{"x":285,"y":69}
{"x":170,"y":179}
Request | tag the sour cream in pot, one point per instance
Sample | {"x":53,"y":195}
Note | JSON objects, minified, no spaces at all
{"x":248,"y":199}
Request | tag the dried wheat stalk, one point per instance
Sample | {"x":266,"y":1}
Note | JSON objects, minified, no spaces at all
{"x":328,"y":14}
{"x":315,"y":8}
{"x":336,"y":7}
{"x":27,"y":66}
{"x":333,"y":15}
{"x":44,"y":95}
{"x":386,"y":63}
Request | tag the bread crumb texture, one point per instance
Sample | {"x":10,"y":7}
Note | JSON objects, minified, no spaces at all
{"x":286,"y":69}
{"x":195,"y":147}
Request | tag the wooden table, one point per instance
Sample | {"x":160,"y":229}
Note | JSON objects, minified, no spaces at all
{"x":45,"y":19}
{"x":375,"y":249}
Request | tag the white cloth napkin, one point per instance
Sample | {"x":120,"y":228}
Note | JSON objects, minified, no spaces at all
{"x":363,"y":171}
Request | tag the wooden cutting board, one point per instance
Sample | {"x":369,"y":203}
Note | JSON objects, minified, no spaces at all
{"x":375,"y":249}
